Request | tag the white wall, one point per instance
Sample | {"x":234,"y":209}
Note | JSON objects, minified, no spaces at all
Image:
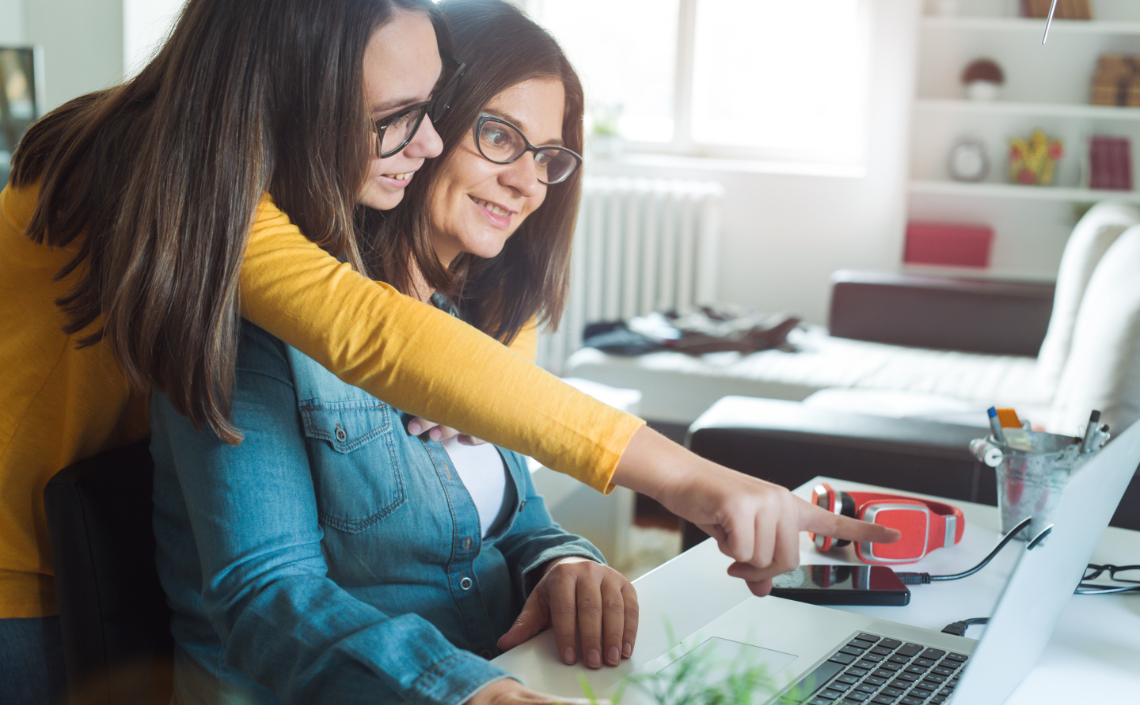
{"x":82,"y":42}
{"x":145,"y":26}
{"x":88,"y":44}
{"x":11,"y":21}
{"x":783,"y":234}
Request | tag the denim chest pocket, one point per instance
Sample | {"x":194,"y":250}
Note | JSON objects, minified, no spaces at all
{"x":356,"y":471}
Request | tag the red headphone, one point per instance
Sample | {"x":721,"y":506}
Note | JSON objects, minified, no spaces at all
{"x":925,"y":525}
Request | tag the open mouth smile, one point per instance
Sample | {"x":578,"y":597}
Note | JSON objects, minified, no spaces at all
{"x":493,"y":208}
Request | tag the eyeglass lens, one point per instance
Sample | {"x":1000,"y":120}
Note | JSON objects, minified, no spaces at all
{"x":400,"y":129}
{"x":502,"y":143}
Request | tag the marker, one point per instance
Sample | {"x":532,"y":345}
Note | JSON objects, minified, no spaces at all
{"x":995,"y":425}
{"x":1015,"y":434}
{"x":1090,"y":431}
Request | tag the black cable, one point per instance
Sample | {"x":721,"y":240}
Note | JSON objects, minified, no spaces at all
{"x":959,"y":628}
{"x":926,"y":578}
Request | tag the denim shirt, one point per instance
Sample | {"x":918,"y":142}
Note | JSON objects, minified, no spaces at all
{"x":332,"y":557}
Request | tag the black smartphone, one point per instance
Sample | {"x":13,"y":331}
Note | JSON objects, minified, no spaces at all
{"x":842,"y":585}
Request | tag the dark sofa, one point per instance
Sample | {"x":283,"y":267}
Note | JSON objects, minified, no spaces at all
{"x":789,"y":443}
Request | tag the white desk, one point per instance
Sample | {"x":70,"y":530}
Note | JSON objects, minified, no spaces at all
{"x":1094,"y":655}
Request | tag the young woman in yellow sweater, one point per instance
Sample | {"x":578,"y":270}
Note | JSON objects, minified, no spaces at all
{"x":142,"y":222}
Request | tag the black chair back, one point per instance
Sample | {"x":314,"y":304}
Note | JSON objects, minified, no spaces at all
{"x":113,"y":612}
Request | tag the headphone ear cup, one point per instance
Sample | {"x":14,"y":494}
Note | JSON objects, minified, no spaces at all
{"x":823,"y":497}
{"x":846,"y":509}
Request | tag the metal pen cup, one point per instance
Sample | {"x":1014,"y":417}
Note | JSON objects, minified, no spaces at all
{"x":1030,"y":482}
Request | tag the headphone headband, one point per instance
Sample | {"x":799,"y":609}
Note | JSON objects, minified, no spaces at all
{"x":925,"y":525}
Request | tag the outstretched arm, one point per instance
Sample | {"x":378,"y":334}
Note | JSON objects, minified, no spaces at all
{"x":432,"y":365}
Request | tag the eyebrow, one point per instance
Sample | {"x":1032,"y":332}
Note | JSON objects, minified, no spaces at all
{"x":556,"y":142}
{"x":395,"y":104}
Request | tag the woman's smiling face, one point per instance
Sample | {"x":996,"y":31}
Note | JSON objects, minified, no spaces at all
{"x":475,"y":204}
{"x":401,"y":68}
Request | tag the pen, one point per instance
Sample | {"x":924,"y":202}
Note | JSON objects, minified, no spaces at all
{"x":1090,"y":431}
{"x":995,"y":425}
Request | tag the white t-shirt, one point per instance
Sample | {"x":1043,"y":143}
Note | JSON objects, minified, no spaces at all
{"x":484,"y":473}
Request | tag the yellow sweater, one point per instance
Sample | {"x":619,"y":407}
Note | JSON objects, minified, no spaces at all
{"x":60,"y":404}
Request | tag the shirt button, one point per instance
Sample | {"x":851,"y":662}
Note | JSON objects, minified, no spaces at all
{"x":467,"y":543}
{"x":465,"y":583}
{"x":486,"y":653}
{"x":522,"y":505}
{"x":340,"y":434}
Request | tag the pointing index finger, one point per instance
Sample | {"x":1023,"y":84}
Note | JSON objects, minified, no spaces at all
{"x":826,"y":523}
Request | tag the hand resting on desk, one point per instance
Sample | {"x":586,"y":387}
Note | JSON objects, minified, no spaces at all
{"x":585,"y":602}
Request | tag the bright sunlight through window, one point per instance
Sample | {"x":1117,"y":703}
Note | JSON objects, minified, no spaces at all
{"x":771,"y":80}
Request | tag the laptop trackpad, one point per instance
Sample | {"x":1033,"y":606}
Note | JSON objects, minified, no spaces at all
{"x":717,"y":659}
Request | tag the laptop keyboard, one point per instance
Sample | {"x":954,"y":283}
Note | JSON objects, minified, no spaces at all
{"x":876,"y":670}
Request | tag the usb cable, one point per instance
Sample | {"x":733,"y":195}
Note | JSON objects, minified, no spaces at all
{"x":926,"y":578}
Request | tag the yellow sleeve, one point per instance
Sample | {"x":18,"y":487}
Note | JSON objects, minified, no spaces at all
{"x":526,"y":342}
{"x":422,"y":360}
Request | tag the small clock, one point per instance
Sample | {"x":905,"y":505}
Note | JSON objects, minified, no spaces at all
{"x":968,"y":161}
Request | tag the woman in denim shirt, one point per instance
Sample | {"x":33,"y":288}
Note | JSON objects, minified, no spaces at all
{"x":339,"y":558}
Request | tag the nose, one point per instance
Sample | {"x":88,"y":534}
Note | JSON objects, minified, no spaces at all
{"x":426,"y":143}
{"x":522,"y":175}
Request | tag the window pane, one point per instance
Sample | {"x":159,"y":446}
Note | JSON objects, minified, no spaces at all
{"x":787,"y":78}
{"x":626,"y":53}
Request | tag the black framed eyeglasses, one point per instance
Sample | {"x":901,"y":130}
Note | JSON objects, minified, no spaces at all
{"x":1127,"y":574}
{"x":502,"y":143}
{"x":395,"y":131}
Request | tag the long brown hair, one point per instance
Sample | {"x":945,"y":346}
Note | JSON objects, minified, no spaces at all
{"x":502,"y":47}
{"x":158,"y":180}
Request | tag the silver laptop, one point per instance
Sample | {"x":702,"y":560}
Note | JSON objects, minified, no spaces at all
{"x":827,"y":655}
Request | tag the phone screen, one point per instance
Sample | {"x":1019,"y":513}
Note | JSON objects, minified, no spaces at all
{"x":842,"y":585}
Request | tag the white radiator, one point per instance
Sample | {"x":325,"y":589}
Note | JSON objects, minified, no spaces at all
{"x":641,"y":245}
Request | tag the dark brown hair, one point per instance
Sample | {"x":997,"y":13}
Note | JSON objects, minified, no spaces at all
{"x":502,"y":47}
{"x":158,"y":180}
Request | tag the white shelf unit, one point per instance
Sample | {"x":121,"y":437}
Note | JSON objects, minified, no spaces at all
{"x":1046,"y":87}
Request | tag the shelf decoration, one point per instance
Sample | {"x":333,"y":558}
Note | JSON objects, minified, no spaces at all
{"x":948,"y":244}
{"x":968,"y":161}
{"x":982,"y":78}
{"x":1116,"y":80}
{"x":1066,"y":9}
{"x":1110,"y":163}
{"x":1032,"y":161}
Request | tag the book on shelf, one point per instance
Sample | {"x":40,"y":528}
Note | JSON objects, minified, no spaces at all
{"x":1110,"y":163}
{"x":1116,"y":80}
{"x":1066,"y":9}
{"x":1123,"y":161}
